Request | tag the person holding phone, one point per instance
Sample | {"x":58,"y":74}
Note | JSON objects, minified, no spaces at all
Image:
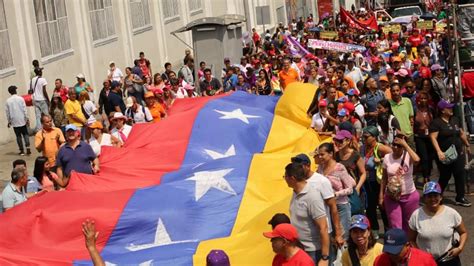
{"x":398,"y":194}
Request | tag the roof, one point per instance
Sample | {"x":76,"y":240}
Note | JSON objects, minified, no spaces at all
{"x":221,"y":20}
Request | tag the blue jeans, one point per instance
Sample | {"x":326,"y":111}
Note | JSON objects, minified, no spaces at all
{"x":41,"y":107}
{"x":344,"y":211}
{"x":315,"y":255}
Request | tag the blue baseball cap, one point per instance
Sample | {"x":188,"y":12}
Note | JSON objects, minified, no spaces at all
{"x":342,"y":99}
{"x":71,"y":127}
{"x":353,"y":92}
{"x":394,"y":241}
{"x":359,"y":221}
{"x":431,"y":187}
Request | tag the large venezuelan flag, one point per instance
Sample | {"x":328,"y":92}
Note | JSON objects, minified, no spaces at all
{"x":208,"y":177}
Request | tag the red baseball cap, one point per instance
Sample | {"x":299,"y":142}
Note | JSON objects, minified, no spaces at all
{"x":349,"y":107}
{"x":286,"y":231}
{"x":323,"y":103}
{"x":376,"y":59}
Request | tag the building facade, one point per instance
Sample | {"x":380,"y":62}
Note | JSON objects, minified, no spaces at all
{"x":82,"y":36}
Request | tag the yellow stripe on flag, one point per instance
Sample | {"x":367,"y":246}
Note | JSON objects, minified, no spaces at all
{"x":266,"y":192}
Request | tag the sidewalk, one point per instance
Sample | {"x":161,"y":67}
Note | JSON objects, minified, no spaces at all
{"x":9,"y":153}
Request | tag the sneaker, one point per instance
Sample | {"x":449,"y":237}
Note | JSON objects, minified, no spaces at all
{"x":28,"y":151}
{"x":463,"y":202}
{"x":22,"y":153}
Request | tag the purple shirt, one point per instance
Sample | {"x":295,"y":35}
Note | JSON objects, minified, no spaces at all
{"x":78,"y":159}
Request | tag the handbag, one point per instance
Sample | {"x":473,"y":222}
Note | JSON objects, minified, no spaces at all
{"x":394,"y":185}
{"x":451,"y":154}
{"x":445,"y":257}
{"x":32,"y":89}
{"x":356,"y":203}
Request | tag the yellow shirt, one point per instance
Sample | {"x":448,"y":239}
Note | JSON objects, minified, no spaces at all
{"x":74,"y":108}
{"x":368,"y":260}
{"x":48,"y":142}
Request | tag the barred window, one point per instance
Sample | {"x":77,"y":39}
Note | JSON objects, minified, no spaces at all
{"x":6,"y":59}
{"x":140,"y":12}
{"x":102,"y":19}
{"x":53,"y":28}
{"x":170,"y":8}
{"x":195,"y":5}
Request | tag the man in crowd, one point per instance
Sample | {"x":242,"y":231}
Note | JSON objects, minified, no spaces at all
{"x":308,"y":215}
{"x":115,"y":98}
{"x":49,"y":139}
{"x":288,"y":75}
{"x":114,"y":73}
{"x":186,"y":72}
{"x":32,"y":185}
{"x":14,"y":192}
{"x":403,"y":110}
{"x":17,"y":117}
{"x":73,"y":110}
{"x":40,"y":96}
{"x":284,"y":238}
{"x":398,"y":251}
{"x":75,"y":155}
{"x":61,"y":90}
{"x":210,"y":86}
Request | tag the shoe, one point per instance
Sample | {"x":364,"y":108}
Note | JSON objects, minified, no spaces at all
{"x":28,"y":151}
{"x":463,"y":202}
{"x":22,"y":153}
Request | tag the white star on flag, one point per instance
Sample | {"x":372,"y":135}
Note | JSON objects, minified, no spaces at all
{"x":162,"y":238}
{"x":236,"y":114}
{"x":216,"y":155}
{"x":206,"y":180}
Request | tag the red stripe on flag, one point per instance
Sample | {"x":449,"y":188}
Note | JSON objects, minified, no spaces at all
{"x":46,"y":229}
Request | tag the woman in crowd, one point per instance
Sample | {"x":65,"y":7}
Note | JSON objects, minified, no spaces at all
{"x":373,"y":153}
{"x":99,"y":138}
{"x":348,"y":156}
{"x":362,"y":247}
{"x":331,"y":122}
{"x":45,"y":176}
{"x":319,"y":119}
{"x":387,"y":123}
{"x":264,"y":86}
{"x":82,"y":85}
{"x":121,"y":131}
{"x":346,"y":85}
{"x":342,"y":183}
{"x":133,"y":84}
{"x":423,"y":118}
{"x":88,"y":107}
{"x":432,"y":228}
{"x":450,"y":142}
{"x":158,"y":82}
{"x":57,"y":112}
{"x":398,"y":193}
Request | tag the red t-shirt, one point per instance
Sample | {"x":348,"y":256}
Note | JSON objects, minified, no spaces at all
{"x":301,"y":258}
{"x":417,"y":258}
{"x":415,"y":41}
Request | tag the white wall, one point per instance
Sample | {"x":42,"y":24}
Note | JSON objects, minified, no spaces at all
{"x":91,"y":58}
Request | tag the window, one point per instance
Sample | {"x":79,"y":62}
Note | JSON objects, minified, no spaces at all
{"x":195,"y":5}
{"x":6,"y":59}
{"x":140,"y":13}
{"x":52,"y":24}
{"x":102,"y":19}
{"x":170,"y":8}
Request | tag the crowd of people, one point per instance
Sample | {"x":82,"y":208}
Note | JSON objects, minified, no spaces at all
{"x":388,"y":108}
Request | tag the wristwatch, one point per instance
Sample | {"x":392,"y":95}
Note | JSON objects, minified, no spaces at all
{"x":324,"y":257}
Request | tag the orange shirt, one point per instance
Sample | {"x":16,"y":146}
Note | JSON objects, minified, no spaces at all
{"x":48,"y":143}
{"x":156,"y":110}
{"x":288,"y":77}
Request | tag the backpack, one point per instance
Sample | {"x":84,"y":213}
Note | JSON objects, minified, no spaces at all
{"x":130,"y":113}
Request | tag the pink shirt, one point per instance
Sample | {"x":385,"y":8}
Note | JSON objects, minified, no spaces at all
{"x":406,"y":172}
{"x":342,"y":183}
{"x":48,"y":184}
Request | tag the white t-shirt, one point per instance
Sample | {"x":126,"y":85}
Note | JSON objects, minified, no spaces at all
{"x":96,"y":146}
{"x":116,"y":75}
{"x":90,"y":108}
{"x":323,"y":185}
{"x":317,"y":122}
{"x":181,"y":93}
{"x":435,"y":233}
{"x":38,"y":89}
{"x":139,"y":116}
